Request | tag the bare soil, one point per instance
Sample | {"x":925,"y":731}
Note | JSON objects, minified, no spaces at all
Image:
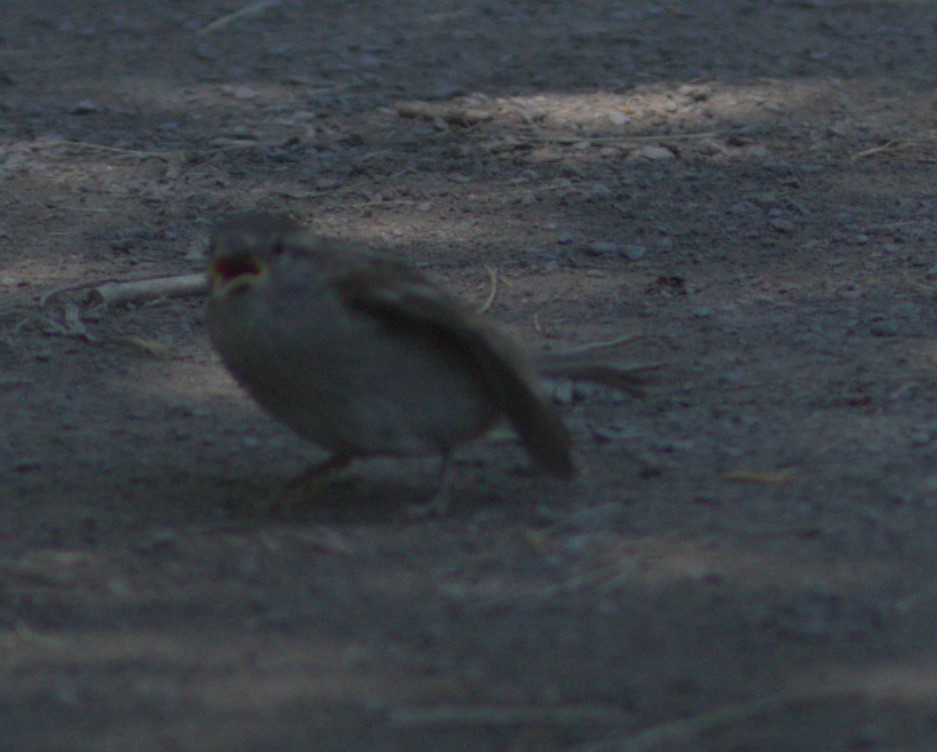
{"x":747,"y":559}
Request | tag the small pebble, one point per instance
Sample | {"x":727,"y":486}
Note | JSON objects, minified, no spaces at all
{"x":601,"y":248}
{"x":243,"y":92}
{"x":600,"y":191}
{"x":653,"y":153}
{"x":283,"y":49}
{"x":635,"y":251}
{"x":563,"y":393}
{"x":84,"y":107}
{"x":164,"y":537}
{"x":884,"y":328}
{"x":584,"y":391}
{"x":119,"y":588}
{"x":608,"y":434}
{"x":541,"y":251}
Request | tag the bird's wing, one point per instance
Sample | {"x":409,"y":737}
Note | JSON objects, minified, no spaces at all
{"x":403,"y":297}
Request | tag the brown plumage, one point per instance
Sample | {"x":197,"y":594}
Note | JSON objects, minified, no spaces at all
{"x":363,"y":356}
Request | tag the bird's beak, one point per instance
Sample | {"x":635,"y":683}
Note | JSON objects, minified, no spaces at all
{"x":229,"y":275}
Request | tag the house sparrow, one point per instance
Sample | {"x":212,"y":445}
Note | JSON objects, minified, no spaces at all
{"x":362,"y":355}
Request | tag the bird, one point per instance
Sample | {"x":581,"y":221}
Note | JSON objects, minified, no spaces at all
{"x":362,"y":355}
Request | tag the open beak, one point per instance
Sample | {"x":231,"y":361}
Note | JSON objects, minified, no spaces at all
{"x":232,"y":274}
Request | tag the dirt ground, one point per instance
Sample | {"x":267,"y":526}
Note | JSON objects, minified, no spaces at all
{"x":747,"y":559}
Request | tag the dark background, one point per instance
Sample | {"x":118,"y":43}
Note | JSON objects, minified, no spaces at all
{"x":747,"y":559}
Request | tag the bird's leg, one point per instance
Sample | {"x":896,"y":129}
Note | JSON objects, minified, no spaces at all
{"x":314,"y":472}
{"x":438,"y":503}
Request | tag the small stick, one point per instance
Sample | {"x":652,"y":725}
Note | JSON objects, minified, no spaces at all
{"x":914,"y":600}
{"x":132,"y":291}
{"x":687,"y":729}
{"x":448,"y":715}
{"x":253,"y":9}
{"x":895,"y":144}
{"x":595,"y":362}
{"x":116,"y":291}
{"x":565,"y":138}
{"x":493,"y":276}
{"x":453,"y":115}
{"x":609,"y":344}
{"x":168,"y":156}
{"x":752,"y":477}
